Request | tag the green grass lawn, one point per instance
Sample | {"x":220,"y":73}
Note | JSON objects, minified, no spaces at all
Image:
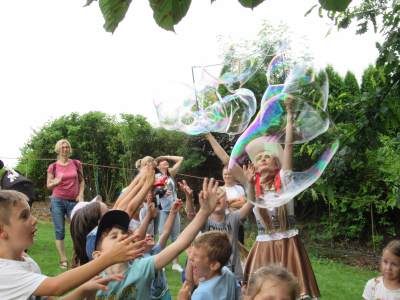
{"x":335,"y":280}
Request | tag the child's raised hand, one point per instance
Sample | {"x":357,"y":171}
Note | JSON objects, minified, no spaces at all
{"x":177,"y":206}
{"x":150,"y":208}
{"x":184,"y":187}
{"x":208,"y":196}
{"x":189,"y":251}
{"x":150,"y":177}
{"x":184,"y":293}
{"x":249,"y":172}
{"x":124,"y":250}
{"x":100,"y":283}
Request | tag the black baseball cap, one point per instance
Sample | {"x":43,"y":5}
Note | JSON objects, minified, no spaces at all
{"x":110,"y":219}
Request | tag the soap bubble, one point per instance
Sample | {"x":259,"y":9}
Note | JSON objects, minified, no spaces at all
{"x":234,"y":73}
{"x":180,"y":107}
{"x":301,"y":77}
{"x":200,"y":108}
{"x":298,"y":89}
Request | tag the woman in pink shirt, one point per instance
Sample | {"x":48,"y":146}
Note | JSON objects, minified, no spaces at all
{"x":65,"y":178}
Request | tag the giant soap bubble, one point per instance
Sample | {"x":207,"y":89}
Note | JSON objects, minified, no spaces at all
{"x":200,"y":108}
{"x":299,"y":88}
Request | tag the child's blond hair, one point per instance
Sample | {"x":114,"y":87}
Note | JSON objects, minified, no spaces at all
{"x":8,"y":199}
{"x":140,"y":162}
{"x":217,"y":244}
{"x":393,"y":247}
{"x":269,"y":273}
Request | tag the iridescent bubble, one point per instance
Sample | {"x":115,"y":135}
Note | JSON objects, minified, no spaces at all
{"x":301,"y":77}
{"x":298,"y":89}
{"x":200,"y":109}
{"x":234,"y":73}
{"x":195,"y":112}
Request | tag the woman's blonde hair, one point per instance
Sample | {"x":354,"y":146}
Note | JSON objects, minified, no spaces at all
{"x":271,"y":273}
{"x":140,"y":162}
{"x":59,"y":146}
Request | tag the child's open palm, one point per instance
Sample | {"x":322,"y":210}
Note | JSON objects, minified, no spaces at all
{"x":124,"y":250}
{"x":208,"y":197}
{"x":184,"y":187}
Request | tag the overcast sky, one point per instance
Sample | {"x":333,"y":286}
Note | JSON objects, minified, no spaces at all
{"x":56,"y":58}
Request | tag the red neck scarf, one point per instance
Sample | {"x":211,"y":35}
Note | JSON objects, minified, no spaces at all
{"x":277,"y":182}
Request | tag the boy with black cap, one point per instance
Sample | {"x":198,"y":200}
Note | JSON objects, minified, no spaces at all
{"x":141,"y":273}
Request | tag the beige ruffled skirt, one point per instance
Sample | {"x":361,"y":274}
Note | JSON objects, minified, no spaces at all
{"x":290,"y":254}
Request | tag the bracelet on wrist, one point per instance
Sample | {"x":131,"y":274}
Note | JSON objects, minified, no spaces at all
{"x":190,"y":214}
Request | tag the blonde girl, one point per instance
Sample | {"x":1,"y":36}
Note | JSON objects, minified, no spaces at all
{"x":387,"y":285}
{"x":272,"y":282}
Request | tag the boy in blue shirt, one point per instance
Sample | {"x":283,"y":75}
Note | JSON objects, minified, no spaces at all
{"x":159,"y":287}
{"x":141,"y":273}
{"x":210,"y":253}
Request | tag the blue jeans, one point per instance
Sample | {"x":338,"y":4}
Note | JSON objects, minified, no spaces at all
{"x":176,"y":229}
{"x":59,"y":207}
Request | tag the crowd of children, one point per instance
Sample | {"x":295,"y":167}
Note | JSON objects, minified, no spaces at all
{"x":131,"y":263}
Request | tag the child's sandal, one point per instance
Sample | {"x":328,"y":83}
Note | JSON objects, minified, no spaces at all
{"x":64,"y":264}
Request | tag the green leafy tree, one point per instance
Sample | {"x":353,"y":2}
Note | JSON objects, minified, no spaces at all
{"x":335,"y":81}
{"x":97,"y":139}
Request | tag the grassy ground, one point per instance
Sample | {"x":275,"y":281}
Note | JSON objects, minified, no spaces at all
{"x":335,"y":280}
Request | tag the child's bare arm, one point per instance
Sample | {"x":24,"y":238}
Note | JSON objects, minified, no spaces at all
{"x":121,"y":251}
{"x":189,"y":270}
{"x":146,"y":221}
{"x":124,"y":200}
{"x":249,"y":172}
{"x":176,"y":207}
{"x":208,"y":201}
{"x":127,"y":193}
{"x":135,"y":203}
{"x":190,"y":209}
{"x":89,"y":289}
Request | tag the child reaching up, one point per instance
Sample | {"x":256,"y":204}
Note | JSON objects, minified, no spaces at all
{"x":131,"y":206}
{"x":387,"y":285}
{"x":141,"y":273}
{"x":20,"y":277}
{"x":159,"y":287}
{"x":210,"y":253}
{"x":272,"y":282}
{"x":221,"y":221}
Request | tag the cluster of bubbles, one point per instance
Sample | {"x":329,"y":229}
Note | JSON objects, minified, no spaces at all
{"x":200,"y":108}
{"x":293,"y":111}
{"x":297,"y":90}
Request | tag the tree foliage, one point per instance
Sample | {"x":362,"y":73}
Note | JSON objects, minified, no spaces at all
{"x":335,"y":81}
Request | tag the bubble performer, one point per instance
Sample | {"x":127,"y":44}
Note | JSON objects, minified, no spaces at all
{"x":277,"y":240}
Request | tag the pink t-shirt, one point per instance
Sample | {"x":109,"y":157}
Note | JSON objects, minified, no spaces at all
{"x":68,"y":189}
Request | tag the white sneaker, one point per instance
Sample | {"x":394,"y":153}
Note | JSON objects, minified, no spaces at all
{"x":177,"y":267}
